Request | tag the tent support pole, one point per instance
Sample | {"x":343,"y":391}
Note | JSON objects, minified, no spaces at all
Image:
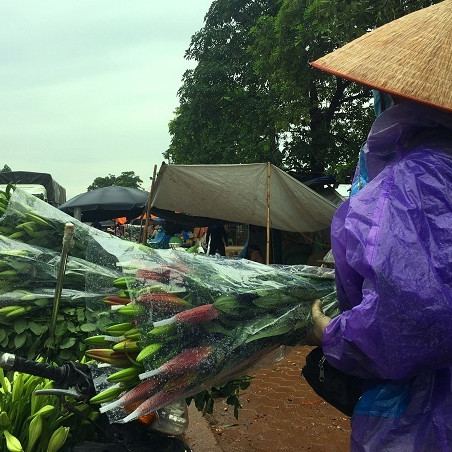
{"x":144,"y":237}
{"x":267,"y":255}
{"x":78,"y":213}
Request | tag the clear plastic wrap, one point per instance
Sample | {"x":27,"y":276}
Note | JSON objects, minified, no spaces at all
{"x":31,"y":235}
{"x":195,"y":321}
{"x":37,"y":223}
{"x":162,"y":324}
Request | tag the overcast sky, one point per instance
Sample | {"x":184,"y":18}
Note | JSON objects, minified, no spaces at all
{"x":88,"y":87}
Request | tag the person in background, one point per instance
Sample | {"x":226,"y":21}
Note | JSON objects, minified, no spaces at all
{"x":199,"y":235}
{"x":185,"y":235}
{"x":155,"y":231}
{"x":216,"y":239}
{"x":392,"y":240}
{"x":254,"y":253}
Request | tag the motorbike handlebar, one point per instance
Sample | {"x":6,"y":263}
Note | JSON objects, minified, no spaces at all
{"x":8,"y":361}
{"x":70,"y":374}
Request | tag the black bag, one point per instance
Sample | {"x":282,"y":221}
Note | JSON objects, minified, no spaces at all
{"x":335,"y":387}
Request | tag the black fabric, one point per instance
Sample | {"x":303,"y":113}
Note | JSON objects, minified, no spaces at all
{"x":107,"y":203}
{"x":217,"y":237}
{"x":56,"y":194}
{"x":335,"y":387}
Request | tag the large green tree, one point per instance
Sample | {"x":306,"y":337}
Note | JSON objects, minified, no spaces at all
{"x":224,"y":112}
{"x":322,"y":120}
{"x":125,"y":179}
{"x":253,"y":96}
{"x":5,"y":169}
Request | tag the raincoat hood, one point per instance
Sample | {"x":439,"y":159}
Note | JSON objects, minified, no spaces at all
{"x":403,"y":127}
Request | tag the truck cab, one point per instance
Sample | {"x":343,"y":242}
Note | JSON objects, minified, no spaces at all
{"x":33,"y":189}
{"x":41,"y":185}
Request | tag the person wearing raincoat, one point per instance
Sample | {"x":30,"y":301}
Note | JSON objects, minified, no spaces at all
{"x":392,"y":240}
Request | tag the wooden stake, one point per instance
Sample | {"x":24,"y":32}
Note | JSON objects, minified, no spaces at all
{"x":267,"y":256}
{"x":144,"y":238}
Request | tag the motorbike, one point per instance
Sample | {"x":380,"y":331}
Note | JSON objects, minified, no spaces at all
{"x":73,"y":380}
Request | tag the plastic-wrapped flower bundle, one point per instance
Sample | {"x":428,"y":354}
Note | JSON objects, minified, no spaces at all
{"x":31,"y":234}
{"x":190,"y":322}
{"x":162,"y":324}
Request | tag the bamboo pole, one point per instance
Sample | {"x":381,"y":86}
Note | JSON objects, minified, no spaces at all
{"x":144,"y":237}
{"x":68,"y":242}
{"x":267,"y":256}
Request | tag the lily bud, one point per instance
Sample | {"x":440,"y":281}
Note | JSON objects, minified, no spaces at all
{"x":18,"y":387}
{"x":44,"y":411}
{"x":58,"y":439}
{"x":34,"y":432}
{"x":4,"y":419}
{"x":12,"y":443}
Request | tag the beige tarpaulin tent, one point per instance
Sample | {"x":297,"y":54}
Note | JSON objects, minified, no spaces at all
{"x":258,"y":193}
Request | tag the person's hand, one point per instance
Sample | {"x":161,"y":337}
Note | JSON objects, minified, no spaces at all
{"x":319,"y":323}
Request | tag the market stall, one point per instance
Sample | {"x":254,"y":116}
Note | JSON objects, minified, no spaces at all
{"x":259,"y":194}
{"x":157,"y":327}
{"x":107,"y":203}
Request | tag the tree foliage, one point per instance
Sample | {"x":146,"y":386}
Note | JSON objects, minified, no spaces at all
{"x":5,"y":169}
{"x":254,"y":97}
{"x":223,"y":116}
{"x":125,"y":179}
{"x":323,"y":120}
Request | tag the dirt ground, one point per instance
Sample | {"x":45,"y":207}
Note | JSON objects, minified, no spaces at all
{"x":280,"y":412}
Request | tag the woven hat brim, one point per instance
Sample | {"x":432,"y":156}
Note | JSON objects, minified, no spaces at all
{"x":410,"y":57}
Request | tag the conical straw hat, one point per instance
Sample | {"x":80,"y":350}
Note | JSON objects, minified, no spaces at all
{"x":410,"y":57}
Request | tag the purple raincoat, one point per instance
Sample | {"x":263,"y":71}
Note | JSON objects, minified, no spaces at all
{"x":392,"y":244}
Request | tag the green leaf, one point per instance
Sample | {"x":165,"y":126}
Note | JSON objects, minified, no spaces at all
{"x":80,"y":315}
{"x":245,"y":384}
{"x":68,"y":342}
{"x":4,"y":342}
{"x":102,"y":323}
{"x":88,"y":327}
{"x":34,"y":328}
{"x":209,"y":406}
{"x":66,"y":354}
{"x":3,"y":334}
{"x":20,"y":325}
{"x":269,"y":326}
{"x":199,"y":400}
{"x":61,"y":329}
{"x":42,"y":302}
{"x":49,"y":343}
{"x":11,"y":345}
{"x":71,"y":327}
{"x":20,"y":339}
{"x":38,"y":329}
{"x":216,"y":327}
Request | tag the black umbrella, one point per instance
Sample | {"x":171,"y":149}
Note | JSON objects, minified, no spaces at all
{"x":107,"y":203}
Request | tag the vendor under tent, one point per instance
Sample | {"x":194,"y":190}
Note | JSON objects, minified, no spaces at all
{"x":259,"y":194}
